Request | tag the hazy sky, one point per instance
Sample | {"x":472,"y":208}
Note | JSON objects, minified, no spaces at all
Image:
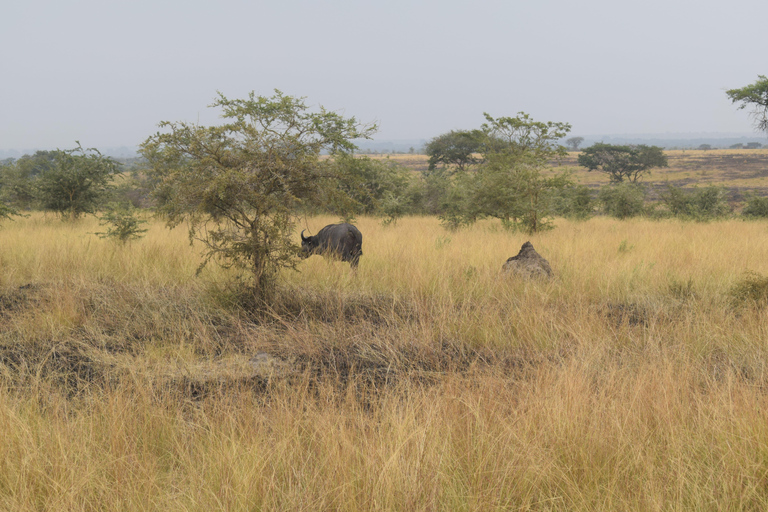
{"x":106,"y":72}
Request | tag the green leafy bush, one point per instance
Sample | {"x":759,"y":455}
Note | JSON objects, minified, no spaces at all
{"x":623,"y":200}
{"x":123,"y":223}
{"x":756,"y":207}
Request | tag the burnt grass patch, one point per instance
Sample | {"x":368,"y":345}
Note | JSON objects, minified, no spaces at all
{"x":125,"y":334}
{"x":173,"y":342}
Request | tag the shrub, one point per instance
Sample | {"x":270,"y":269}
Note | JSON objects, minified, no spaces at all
{"x":574,"y":202}
{"x":623,"y":201}
{"x":701,"y":204}
{"x":756,"y":207}
{"x":123,"y":223}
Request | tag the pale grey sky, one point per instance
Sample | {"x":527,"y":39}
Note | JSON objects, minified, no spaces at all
{"x":106,"y":72}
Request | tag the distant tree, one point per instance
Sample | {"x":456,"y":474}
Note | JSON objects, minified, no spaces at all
{"x":622,"y":162}
{"x":755,"y":96}
{"x":239,"y":185}
{"x":736,"y":146}
{"x":456,"y":149}
{"x":705,"y":147}
{"x":753,"y":145}
{"x":5,"y":211}
{"x":524,"y":139}
{"x":574,"y":142}
{"x":18,"y":178}
{"x":76,"y":183}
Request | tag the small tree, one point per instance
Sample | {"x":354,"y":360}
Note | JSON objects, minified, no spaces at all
{"x":574,"y":143}
{"x":123,"y":223}
{"x":239,"y":185}
{"x":76,"y":182}
{"x":518,"y":148}
{"x":509,"y":185}
{"x":622,"y":162}
{"x":755,"y":96}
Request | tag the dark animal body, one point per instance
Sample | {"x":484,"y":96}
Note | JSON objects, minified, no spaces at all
{"x":336,"y":240}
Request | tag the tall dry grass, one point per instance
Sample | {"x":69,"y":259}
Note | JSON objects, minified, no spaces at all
{"x":425,"y":381}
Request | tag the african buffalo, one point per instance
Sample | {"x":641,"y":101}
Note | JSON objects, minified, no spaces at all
{"x":338,"y":240}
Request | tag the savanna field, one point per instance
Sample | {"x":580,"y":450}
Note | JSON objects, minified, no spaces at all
{"x":427,"y":380}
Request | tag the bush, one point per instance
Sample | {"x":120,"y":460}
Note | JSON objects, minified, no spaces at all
{"x":123,"y":223}
{"x":573,"y":202}
{"x":756,"y":207}
{"x":623,"y":201}
{"x":701,"y":204}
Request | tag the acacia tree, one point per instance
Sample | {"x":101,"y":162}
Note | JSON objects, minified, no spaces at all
{"x":457,"y":148}
{"x":622,"y":162}
{"x":238,"y":185}
{"x":755,"y":95}
{"x":574,"y":142}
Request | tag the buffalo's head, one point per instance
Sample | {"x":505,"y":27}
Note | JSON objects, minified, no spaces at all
{"x":308,"y":245}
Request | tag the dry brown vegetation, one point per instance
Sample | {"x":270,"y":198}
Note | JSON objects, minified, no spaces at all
{"x":738,"y":170}
{"x":634,"y":380}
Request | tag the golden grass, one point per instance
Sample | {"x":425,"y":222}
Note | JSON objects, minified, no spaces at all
{"x":425,"y":381}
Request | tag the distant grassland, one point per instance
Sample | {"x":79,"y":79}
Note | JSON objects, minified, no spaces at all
{"x":634,"y":380}
{"x":738,"y":170}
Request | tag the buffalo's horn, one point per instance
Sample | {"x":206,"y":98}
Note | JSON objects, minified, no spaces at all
{"x":302,"y":234}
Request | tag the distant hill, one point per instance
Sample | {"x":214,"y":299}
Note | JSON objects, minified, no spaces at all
{"x":114,"y":152}
{"x":678,"y":140}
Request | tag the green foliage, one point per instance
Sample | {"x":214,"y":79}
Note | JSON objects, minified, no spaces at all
{"x":362,"y":185}
{"x":756,"y":207}
{"x":123,"y":223}
{"x":573,"y":201}
{"x":751,"y":290}
{"x":75,"y":183}
{"x":433,"y":190}
{"x":623,"y":200}
{"x":461,"y":207}
{"x":18,"y":179}
{"x":508,"y":183}
{"x":511,"y":186}
{"x":756,"y":96}
{"x":700,"y":204}
{"x":622,"y":162}
{"x":239,"y":185}
{"x":455,"y":149}
{"x":523,"y":140}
